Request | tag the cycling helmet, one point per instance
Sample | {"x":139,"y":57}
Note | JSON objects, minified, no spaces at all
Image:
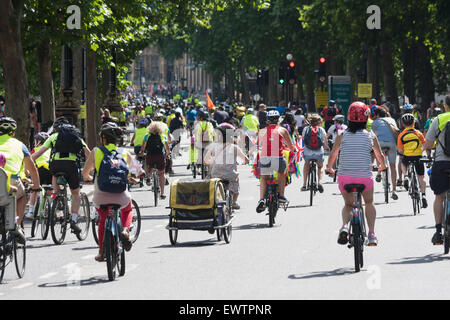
{"x":273,"y":115}
{"x":143,"y":122}
{"x":408,"y":119}
{"x":227,"y":125}
{"x":249,"y":111}
{"x":339,"y":118}
{"x":2,"y":160}
{"x":7,"y":125}
{"x":111,"y":129}
{"x":41,"y":136}
{"x":203,"y":115}
{"x":358,"y":112}
{"x":408,"y":107}
{"x":331,"y":103}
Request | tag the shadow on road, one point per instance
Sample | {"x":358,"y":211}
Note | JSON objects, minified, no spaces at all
{"x":201,"y":243}
{"x":254,"y":226}
{"x":69,"y":284}
{"x":32,"y":246}
{"x":85,"y":248}
{"x":158,"y":217}
{"x":426,"y":227}
{"x":398,"y":216}
{"x":323,"y":274}
{"x":434,"y":257}
{"x":300,"y":206}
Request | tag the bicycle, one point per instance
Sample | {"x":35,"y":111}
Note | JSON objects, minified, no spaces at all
{"x":10,"y":249}
{"x":357,"y":231}
{"x":414,"y":191}
{"x":155,"y":187}
{"x":135,"y":226}
{"x":228,"y":213}
{"x":385,"y":175}
{"x":311,"y":183}
{"x":272,"y":200}
{"x":60,"y":215}
{"x":41,"y":212}
{"x":112,"y":243}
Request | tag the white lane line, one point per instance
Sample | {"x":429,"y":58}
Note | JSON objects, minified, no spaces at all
{"x":90,"y":256}
{"x":48,"y":275}
{"x":159,"y":226}
{"x":147,"y":231}
{"x":24,"y":285}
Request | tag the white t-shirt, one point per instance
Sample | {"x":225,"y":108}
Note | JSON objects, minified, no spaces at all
{"x":335,"y":133}
{"x":300,"y":118}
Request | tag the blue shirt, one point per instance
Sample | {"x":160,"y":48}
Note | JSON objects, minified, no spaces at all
{"x":191,"y":114}
{"x":381,"y":128}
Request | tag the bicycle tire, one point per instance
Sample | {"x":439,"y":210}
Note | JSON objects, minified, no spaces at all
{"x":20,"y":254}
{"x":194,"y":170}
{"x":155,"y":188}
{"x":386,"y":185}
{"x":109,"y":245}
{"x":36,"y":220}
{"x":312,"y":185}
{"x":3,"y":244}
{"x":227,"y":232}
{"x":58,"y":233}
{"x":121,"y":263}
{"x":357,"y":246}
{"x":84,"y":218}
{"x":446,"y":227}
{"x":94,"y":223}
{"x":45,"y":218}
{"x":173,"y":234}
{"x":272,"y":212}
{"x":136,"y":222}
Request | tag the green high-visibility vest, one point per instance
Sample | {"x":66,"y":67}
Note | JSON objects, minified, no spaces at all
{"x":12,"y":149}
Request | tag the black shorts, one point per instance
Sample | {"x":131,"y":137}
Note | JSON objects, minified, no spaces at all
{"x":420,"y":167}
{"x":45,"y":177}
{"x":439,"y":180}
{"x":70,"y":169}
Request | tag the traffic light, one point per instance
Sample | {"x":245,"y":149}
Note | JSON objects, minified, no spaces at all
{"x":322,"y":69}
{"x":291,"y":73}
{"x":282,"y":73}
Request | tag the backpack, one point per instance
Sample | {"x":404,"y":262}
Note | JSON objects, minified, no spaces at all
{"x":332,"y":111}
{"x":154,"y":145}
{"x":314,"y":138}
{"x":446,"y":145}
{"x":68,"y":141}
{"x":113,"y":172}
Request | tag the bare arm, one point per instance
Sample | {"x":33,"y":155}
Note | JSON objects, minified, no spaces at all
{"x":285,"y":134}
{"x":89,"y":166}
{"x":334,"y":152}
{"x":39,"y":153}
{"x":31,"y":168}
{"x":378,"y":154}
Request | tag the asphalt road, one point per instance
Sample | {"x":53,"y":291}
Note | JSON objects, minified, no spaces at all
{"x":298,"y":258}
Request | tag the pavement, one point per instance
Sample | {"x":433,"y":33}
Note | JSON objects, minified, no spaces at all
{"x":298,"y":258}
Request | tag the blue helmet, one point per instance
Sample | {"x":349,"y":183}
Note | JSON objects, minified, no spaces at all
{"x":143,"y":122}
{"x":408,"y":107}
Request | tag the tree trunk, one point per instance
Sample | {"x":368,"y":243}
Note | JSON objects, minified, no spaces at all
{"x":93,"y":117}
{"x":372,"y":73}
{"x":310,"y":98}
{"x":425,"y":75}
{"x":408,"y":73}
{"x":105,"y":84}
{"x":77,"y":72}
{"x":14,"y":72}
{"x":272,"y":87}
{"x":390,"y":87}
{"x":245,"y":84}
{"x":44,"y":55}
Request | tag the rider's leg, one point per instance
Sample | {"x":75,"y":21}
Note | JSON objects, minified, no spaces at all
{"x":162,"y":180}
{"x":263,"y":187}
{"x":305,"y":172}
{"x":393,"y":176}
{"x":370,"y":211}
{"x":348,"y":206}
{"x":76,"y":200}
{"x":438,"y":208}
{"x":281,"y":183}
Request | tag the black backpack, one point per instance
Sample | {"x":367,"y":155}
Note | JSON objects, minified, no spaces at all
{"x":332,"y":111}
{"x":68,"y":141}
{"x":446,"y":145}
{"x":154,"y":144}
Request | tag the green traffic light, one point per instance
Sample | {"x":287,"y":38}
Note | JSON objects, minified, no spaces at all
{"x":281,"y":81}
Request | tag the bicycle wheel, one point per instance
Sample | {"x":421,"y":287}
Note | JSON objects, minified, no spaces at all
{"x":173,"y":234}
{"x":386,"y":185}
{"x":84,"y":217}
{"x":19,"y":258}
{"x":272,"y":211}
{"x":135,"y":227}
{"x":194,"y":170}
{"x":36,"y":220}
{"x":58,"y":221}
{"x":155,"y":188}
{"x":3,"y":244}
{"x":312,"y":185}
{"x":357,"y":246}
{"x":94,"y":223}
{"x":121,"y":263}
{"x":227,"y":232}
{"x":110,"y":247}
{"x":44,"y":216}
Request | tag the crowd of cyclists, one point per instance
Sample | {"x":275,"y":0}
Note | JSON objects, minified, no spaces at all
{"x":357,"y":141}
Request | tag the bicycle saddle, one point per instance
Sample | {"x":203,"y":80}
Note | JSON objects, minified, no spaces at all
{"x":357,"y":187}
{"x":113,"y":206}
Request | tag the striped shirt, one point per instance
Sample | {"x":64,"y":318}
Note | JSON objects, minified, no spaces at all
{"x":354,"y":157}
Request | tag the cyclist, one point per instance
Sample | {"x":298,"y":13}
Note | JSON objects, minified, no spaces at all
{"x":250,"y":126}
{"x":314,"y":138}
{"x":204,"y":135}
{"x":381,"y":128}
{"x":110,"y":134}
{"x":409,"y":144}
{"x":17,"y":157}
{"x":66,"y":162}
{"x":439,"y":180}
{"x":42,"y":163}
{"x":354,"y":147}
{"x":336,"y":129}
{"x":271,"y":141}
{"x":222,"y":158}
{"x":156,"y":147}
{"x":191,"y":116}
{"x":138,"y":138}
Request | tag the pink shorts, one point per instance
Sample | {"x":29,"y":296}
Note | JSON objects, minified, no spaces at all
{"x":343,"y":180}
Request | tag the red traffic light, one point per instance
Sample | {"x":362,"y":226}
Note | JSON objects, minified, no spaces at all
{"x":322,"y":60}
{"x":292,"y":64}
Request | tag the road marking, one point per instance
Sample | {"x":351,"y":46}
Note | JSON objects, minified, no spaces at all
{"x":159,"y":226}
{"x":90,"y":256}
{"x":24,"y":285}
{"x":48,"y":275}
{"x":147,"y":231}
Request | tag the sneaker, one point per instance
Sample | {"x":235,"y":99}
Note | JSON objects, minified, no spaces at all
{"x":394,"y":196}
{"x":304,"y":188}
{"x":373,"y":241}
{"x":378,"y":177}
{"x":424,"y":203}
{"x":188,"y":167}
{"x":162,"y":197}
{"x":437,"y":239}
{"x":282,"y":199}
{"x":75,"y":228}
{"x":236,"y":206}
{"x":406,"y":184}
{"x":147,"y":181}
{"x":343,"y":236}
{"x":320,"y":188}
{"x":19,"y":234}
{"x":399,"y":182}
{"x":29,"y":216}
{"x":261,"y":206}
{"x":167,"y":182}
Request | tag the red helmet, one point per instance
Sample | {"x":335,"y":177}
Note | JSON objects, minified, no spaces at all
{"x":358,"y":112}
